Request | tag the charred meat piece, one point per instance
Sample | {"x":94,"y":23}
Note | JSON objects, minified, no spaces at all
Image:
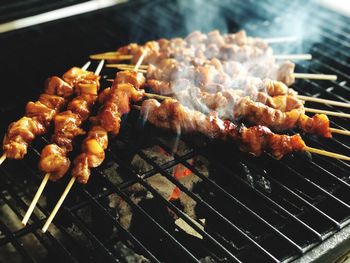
{"x":53,"y":160}
{"x":171,"y":115}
{"x":67,"y":127}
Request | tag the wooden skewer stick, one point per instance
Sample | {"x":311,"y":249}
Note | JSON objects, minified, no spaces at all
{"x":138,"y":64}
{"x":327,"y":112}
{"x":161,"y":97}
{"x":273,"y":40}
{"x":324,"y":101}
{"x":327,"y":153}
{"x":2,"y":158}
{"x":314,"y":76}
{"x":72,"y":180}
{"x":47,"y":176}
{"x":35,"y":199}
{"x":125,"y":66}
{"x":58,"y":205}
{"x":86,"y":65}
{"x":306,"y":148}
{"x":339,"y":131}
{"x":294,"y":56}
{"x":151,"y":95}
{"x":109,"y":56}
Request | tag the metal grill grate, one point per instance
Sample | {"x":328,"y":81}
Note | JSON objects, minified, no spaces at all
{"x":255,"y":209}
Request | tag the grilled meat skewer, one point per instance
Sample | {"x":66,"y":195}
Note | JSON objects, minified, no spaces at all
{"x":278,"y":113}
{"x":53,"y":158}
{"x":115,"y":102}
{"x":171,"y":115}
{"x":38,"y":117}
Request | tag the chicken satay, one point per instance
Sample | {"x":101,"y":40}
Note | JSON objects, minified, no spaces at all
{"x":116,"y":100}
{"x":165,"y":78}
{"x":53,"y":160}
{"x":171,"y":115}
{"x":93,"y":153}
{"x":68,"y":126}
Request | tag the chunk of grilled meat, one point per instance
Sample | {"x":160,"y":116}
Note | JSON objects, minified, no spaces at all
{"x":40,"y":112}
{"x":199,"y":45}
{"x":93,"y":153}
{"x":118,"y":100}
{"x":67,"y":127}
{"x":52,"y":101}
{"x":278,"y":113}
{"x":19,"y":135}
{"x":57,"y":86}
{"x":171,"y":115}
{"x":53,"y":160}
{"x":176,"y":56}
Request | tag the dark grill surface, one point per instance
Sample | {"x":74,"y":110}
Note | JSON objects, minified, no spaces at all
{"x":254,"y":209}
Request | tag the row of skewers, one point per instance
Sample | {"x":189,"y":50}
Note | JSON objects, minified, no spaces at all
{"x":78,"y":92}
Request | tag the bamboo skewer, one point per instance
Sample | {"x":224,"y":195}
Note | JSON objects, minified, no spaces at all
{"x":333,"y":130}
{"x":110,"y":56}
{"x":327,"y":112}
{"x":72,"y":180}
{"x":47,"y":175}
{"x":85,"y":67}
{"x":294,"y":56}
{"x":296,"y":75}
{"x":117,"y":56}
{"x":327,"y":153}
{"x":306,"y":148}
{"x":339,"y":131}
{"x":58,"y":205}
{"x":2,"y":158}
{"x":35,"y":199}
{"x":324,"y":101}
{"x":315,"y":76}
{"x":274,"y":40}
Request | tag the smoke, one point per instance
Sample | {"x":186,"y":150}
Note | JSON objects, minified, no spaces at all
{"x":246,"y":68}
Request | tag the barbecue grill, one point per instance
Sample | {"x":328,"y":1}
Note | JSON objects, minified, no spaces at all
{"x":230,"y":207}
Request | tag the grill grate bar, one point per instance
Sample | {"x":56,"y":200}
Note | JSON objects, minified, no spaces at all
{"x":310,"y":182}
{"x":19,"y":247}
{"x":108,"y":256}
{"x":189,"y":255}
{"x":321,"y":90}
{"x":186,"y":218}
{"x":140,"y":179}
{"x":333,"y":176}
{"x":154,"y":171}
{"x":314,"y":232}
{"x":297,"y":199}
{"x":325,"y":159}
{"x":120,"y":227}
{"x":259,"y":193}
{"x":30,"y":228}
{"x":199,"y":200}
{"x":308,"y":204}
{"x":321,"y":54}
{"x":232,"y":198}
